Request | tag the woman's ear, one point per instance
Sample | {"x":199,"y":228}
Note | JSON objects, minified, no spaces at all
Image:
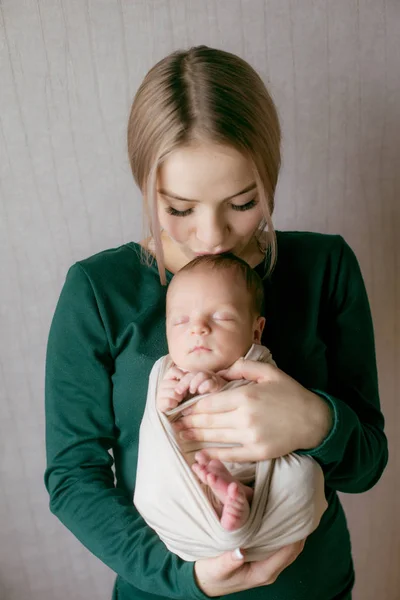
{"x":258,"y":329}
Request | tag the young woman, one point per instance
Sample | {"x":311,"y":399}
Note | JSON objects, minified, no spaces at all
{"x":204,"y":147}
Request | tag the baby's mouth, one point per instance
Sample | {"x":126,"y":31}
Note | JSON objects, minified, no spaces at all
{"x":199,"y":348}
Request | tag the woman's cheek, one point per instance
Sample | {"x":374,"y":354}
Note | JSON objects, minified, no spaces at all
{"x":248,"y":226}
{"x":174,"y":228}
{"x":177,"y":234}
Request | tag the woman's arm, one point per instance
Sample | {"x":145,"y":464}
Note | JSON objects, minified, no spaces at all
{"x":80,"y":431}
{"x":355,"y":453}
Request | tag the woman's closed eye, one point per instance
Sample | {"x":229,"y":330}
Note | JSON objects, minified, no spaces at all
{"x":251,"y":204}
{"x":238,"y":207}
{"x":178,"y":213}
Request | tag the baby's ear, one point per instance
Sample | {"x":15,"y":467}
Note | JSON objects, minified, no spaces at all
{"x":258,"y":329}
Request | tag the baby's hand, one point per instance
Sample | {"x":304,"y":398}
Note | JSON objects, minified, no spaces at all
{"x":200,"y":382}
{"x":167,"y":396}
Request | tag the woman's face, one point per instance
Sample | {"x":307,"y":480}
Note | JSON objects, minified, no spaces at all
{"x":207,"y":200}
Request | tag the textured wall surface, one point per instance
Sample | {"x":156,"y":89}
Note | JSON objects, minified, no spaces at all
{"x":69,"y":69}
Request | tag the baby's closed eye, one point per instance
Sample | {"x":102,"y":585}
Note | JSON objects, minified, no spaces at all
{"x":223,"y":316}
{"x":181,"y":320}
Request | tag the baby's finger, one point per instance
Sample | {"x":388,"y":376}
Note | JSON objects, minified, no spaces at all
{"x":174,"y":374}
{"x":208,"y":386}
{"x":168,"y":385}
{"x":167,"y":402}
{"x":184,"y":383}
{"x":163,"y":404}
{"x":197,"y":380}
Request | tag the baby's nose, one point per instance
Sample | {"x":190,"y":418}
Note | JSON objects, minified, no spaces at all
{"x":200,"y":327}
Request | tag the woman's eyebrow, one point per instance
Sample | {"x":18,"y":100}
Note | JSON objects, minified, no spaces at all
{"x":248,"y":188}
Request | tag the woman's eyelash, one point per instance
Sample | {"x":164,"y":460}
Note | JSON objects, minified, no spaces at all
{"x":184,"y":213}
{"x":178,"y":213}
{"x":246,"y":206}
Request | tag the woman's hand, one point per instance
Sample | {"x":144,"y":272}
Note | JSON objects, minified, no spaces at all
{"x":267,"y":420}
{"x":228,"y":573}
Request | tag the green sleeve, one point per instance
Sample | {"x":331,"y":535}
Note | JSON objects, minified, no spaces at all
{"x":80,"y":431}
{"x":355,"y":453}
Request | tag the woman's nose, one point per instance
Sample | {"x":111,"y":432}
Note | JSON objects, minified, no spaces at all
{"x":211,"y":232}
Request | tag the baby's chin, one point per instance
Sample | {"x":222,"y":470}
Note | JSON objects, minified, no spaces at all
{"x":201,"y":362}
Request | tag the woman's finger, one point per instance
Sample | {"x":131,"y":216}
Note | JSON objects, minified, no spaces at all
{"x":220,"y":402}
{"x":251,"y":370}
{"x":222,"y":574}
{"x":224,"y":420}
{"x":268,"y":570}
{"x":228,"y":436}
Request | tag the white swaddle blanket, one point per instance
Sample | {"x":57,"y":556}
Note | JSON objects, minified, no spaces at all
{"x":288,"y":500}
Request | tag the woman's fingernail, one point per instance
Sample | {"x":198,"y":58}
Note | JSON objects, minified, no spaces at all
{"x":186,"y":412}
{"x":237,"y":554}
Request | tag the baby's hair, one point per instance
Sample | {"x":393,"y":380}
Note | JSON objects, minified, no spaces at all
{"x":229,"y":262}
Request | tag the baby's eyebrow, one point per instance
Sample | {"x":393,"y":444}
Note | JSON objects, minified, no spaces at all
{"x":228,"y":306}
{"x":174,"y":311}
{"x":227,"y":311}
{"x":182,"y":311}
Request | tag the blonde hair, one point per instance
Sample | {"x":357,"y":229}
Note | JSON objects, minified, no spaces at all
{"x":209,"y":94}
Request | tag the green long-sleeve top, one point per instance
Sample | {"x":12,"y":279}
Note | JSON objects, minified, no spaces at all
{"x":107,"y":332}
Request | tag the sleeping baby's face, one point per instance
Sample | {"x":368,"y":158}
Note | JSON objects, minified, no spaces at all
{"x":210,"y":320}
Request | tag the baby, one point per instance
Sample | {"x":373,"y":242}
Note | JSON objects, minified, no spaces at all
{"x":200,"y":507}
{"x":214,"y":307}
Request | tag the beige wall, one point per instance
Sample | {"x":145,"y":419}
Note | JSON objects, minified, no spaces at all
{"x":69,"y":69}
